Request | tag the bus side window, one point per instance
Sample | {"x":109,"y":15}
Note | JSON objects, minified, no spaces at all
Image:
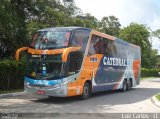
{"x":99,"y":45}
{"x":75,"y":62}
{"x":94,"y":44}
{"x":109,"y":48}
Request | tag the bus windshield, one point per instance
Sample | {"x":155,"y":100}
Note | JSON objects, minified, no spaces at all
{"x":50,"y":39}
{"x":44,"y":67}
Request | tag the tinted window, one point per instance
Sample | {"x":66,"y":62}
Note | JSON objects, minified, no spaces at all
{"x":50,"y":39}
{"x":51,"y":64}
{"x":100,"y":45}
{"x":75,"y":62}
{"x":80,"y":38}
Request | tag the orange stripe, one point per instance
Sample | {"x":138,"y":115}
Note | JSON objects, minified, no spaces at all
{"x":67,"y":51}
{"x":64,"y":51}
{"x":49,"y":52}
{"x":136,"y":68}
{"x":19,"y":51}
{"x":103,"y":35}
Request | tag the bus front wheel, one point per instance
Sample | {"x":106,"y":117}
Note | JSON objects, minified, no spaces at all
{"x":86,"y":91}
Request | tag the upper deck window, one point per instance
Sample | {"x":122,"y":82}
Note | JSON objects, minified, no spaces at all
{"x":100,"y":45}
{"x":80,"y":38}
{"x":51,"y":39}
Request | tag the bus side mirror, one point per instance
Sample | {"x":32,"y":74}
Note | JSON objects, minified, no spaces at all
{"x":19,"y":51}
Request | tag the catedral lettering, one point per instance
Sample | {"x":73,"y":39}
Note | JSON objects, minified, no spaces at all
{"x":76,"y":61}
{"x":114,"y":61}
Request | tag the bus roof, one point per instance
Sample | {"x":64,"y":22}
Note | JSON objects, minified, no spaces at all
{"x":103,"y":35}
{"x":71,"y":28}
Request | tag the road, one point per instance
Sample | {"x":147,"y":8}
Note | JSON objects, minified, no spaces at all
{"x":138,"y":100}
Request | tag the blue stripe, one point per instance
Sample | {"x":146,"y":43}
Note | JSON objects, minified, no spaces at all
{"x":42,"y":82}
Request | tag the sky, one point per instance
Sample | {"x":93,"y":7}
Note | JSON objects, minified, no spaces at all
{"x":127,"y":11}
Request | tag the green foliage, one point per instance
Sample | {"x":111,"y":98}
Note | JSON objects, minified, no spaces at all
{"x":154,"y":59}
{"x":11,"y":74}
{"x":110,"y":25}
{"x":12,"y":27}
{"x":86,"y":20}
{"x":158,"y":96}
{"x":149,"y":72}
{"x":156,"y":33}
{"x":158,"y":62}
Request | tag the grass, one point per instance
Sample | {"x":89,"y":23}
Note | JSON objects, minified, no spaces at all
{"x":158,"y":96}
{"x":143,"y":78}
{"x":10,"y":91}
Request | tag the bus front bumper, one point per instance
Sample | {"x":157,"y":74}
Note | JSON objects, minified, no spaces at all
{"x":59,"y":91}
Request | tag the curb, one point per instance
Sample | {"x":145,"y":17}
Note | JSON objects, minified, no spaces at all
{"x":155,"y":100}
{"x":11,"y":94}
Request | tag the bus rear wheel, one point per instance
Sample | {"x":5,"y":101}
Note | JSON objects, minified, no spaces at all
{"x":129,"y":85}
{"x":124,"y":87}
{"x":86,"y":91}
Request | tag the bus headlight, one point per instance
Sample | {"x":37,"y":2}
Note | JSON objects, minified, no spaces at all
{"x":65,"y":81}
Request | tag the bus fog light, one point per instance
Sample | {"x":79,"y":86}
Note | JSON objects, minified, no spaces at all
{"x":60,"y":91}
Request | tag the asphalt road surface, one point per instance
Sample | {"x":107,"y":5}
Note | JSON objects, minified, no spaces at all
{"x":100,"y":105}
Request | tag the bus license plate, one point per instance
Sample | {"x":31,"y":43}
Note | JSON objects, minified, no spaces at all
{"x":40,"y":92}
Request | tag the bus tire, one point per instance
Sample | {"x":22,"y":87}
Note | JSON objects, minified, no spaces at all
{"x":129,"y":84}
{"x":124,"y":87}
{"x":86,"y":91}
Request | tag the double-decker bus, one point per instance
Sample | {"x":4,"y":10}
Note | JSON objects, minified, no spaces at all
{"x":72,"y":61}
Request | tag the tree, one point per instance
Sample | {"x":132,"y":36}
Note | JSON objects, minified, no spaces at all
{"x":87,"y":20}
{"x":110,"y":25}
{"x":156,"y":33}
{"x":154,"y":59}
{"x":158,"y":62}
{"x":139,"y":35}
{"x":12,"y":25}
